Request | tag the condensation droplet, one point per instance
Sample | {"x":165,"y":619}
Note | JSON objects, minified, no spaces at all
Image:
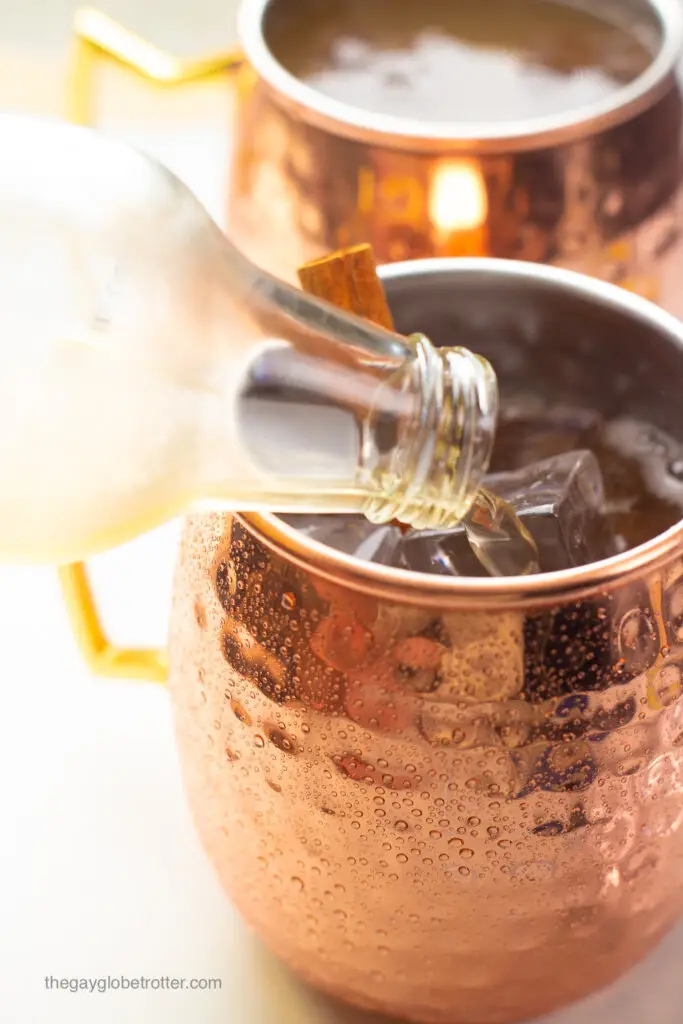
{"x":240,"y":714}
{"x":281,"y":741}
{"x":200,"y":614}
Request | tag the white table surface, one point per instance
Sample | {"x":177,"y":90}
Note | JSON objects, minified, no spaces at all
{"x":100,"y":870}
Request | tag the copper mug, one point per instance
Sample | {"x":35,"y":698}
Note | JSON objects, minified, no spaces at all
{"x":596,"y":190}
{"x":451,"y":800}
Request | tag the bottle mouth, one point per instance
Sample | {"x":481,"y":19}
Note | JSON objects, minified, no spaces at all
{"x":435,"y":472}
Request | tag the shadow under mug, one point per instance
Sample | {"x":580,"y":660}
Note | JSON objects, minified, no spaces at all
{"x":448,"y":799}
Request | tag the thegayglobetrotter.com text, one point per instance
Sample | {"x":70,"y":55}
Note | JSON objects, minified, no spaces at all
{"x":131,"y":983}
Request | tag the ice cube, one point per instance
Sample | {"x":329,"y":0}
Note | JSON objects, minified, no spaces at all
{"x":351,"y":534}
{"x":561,"y":501}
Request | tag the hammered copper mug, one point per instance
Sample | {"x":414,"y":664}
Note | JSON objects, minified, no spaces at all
{"x":452,"y":800}
{"x":596,"y":189}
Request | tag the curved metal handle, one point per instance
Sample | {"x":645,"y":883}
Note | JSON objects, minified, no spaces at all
{"x":98,"y":37}
{"x":101,"y":656}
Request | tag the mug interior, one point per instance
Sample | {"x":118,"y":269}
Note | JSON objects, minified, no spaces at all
{"x":657,"y":24}
{"x":572,"y":339}
{"x":575,"y":346}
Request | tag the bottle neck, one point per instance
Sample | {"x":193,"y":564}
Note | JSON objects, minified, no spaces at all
{"x":327,"y":412}
{"x":429,"y":473}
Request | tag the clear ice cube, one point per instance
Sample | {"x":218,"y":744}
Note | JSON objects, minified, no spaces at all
{"x":561,"y":501}
{"x":351,"y":534}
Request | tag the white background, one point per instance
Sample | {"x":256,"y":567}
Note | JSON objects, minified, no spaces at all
{"x":100,"y":871}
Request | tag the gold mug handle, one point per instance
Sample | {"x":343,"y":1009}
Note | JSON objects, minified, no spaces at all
{"x":98,"y":37}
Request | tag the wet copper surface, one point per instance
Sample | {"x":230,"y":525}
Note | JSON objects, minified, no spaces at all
{"x":607,"y":204}
{"x":456,"y":817}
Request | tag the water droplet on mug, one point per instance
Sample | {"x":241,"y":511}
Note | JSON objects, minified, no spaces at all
{"x":240,"y":714}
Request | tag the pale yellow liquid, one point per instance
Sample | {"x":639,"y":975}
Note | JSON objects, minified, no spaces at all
{"x":455,"y":60}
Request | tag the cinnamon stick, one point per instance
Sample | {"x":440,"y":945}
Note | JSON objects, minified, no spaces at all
{"x":348,"y":278}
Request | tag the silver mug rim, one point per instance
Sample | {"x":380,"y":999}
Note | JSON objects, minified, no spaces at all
{"x":511,"y":136}
{"x":519,"y":591}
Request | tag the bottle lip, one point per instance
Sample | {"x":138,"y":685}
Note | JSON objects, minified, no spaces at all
{"x":459,"y":410}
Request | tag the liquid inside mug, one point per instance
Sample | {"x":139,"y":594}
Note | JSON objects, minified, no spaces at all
{"x":450,"y":800}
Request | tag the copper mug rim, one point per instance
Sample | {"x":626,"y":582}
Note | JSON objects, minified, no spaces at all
{"x":520,"y":591}
{"x":485,"y":137}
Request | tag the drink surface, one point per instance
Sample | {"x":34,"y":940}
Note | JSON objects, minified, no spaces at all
{"x":583,"y":488}
{"x":454,"y":60}
{"x":641,"y":465}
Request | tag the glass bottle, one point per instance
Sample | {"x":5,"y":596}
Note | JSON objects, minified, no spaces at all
{"x":147,"y":369}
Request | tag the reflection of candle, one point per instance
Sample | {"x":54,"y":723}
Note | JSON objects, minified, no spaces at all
{"x":458,"y":208}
